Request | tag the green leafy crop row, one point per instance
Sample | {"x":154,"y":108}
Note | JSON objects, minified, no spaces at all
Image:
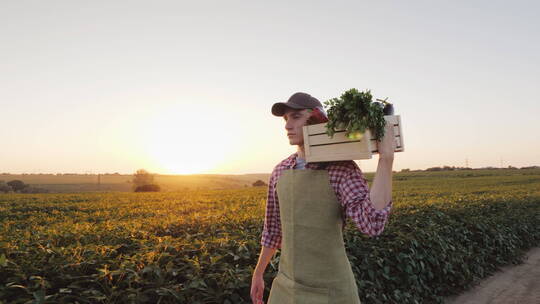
{"x":445,"y":232}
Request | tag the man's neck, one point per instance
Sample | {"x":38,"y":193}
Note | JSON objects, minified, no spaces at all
{"x":300,"y":152}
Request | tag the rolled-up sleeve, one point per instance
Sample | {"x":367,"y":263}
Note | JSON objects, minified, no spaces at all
{"x":271,"y":234}
{"x":356,"y":201}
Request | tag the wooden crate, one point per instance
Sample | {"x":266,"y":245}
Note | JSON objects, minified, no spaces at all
{"x":320,"y":147}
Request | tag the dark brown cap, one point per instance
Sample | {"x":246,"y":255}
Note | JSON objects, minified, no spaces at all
{"x":298,"y":100}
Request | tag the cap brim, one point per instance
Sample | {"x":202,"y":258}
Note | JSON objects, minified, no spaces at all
{"x":279,"y":108}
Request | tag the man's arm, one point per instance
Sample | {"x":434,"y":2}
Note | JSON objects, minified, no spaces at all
{"x":381,"y":188}
{"x":380,"y":191}
{"x":369,"y":207}
{"x":355,"y":197}
{"x":271,"y":234}
{"x":270,"y":241}
{"x":257,"y":280}
{"x":264,"y":258}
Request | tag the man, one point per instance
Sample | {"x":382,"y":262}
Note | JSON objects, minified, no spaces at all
{"x":306,"y":208}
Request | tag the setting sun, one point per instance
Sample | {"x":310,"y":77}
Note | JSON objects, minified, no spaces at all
{"x":188,"y":139}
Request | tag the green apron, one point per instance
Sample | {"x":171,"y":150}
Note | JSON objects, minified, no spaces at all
{"x":313,"y":265}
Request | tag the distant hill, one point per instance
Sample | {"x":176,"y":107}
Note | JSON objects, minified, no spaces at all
{"x":122,"y":182}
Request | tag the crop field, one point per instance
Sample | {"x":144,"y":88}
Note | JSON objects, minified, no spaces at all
{"x":447,"y":230}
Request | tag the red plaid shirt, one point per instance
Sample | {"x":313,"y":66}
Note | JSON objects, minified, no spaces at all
{"x":351,"y":190}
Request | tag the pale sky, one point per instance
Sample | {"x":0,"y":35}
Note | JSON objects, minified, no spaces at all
{"x":181,"y":87}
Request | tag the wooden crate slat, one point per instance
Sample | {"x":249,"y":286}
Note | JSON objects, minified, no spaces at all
{"x":338,"y":137}
{"x":319,"y":146}
{"x":317,"y":128}
{"x":342,"y":151}
{"x":399,"y":145}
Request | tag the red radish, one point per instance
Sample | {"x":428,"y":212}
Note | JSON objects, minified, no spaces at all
{"x":317,"y":117}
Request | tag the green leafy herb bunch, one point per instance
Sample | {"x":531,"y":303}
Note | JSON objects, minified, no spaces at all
{"x":355,"y":112}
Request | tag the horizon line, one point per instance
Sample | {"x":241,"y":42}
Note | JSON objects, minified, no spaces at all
{"x":118,"y":173}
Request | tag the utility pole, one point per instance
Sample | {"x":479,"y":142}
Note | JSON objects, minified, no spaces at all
{"x":466,"y":163}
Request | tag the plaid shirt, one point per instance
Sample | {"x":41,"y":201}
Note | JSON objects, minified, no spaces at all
{"x":351,"y":190}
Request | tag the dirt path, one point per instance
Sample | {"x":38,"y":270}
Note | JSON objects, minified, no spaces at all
{"x":512,"y":284}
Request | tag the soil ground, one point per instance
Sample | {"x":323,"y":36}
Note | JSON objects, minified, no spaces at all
{"x":512,"y":284}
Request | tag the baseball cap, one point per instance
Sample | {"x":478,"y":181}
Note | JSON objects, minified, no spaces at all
{"x":298,"y":100}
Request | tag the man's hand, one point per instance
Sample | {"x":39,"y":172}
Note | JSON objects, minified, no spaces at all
{"x":257,"y":289}
{"x":387,"y":144}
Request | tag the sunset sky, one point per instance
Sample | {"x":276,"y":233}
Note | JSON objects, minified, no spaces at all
{"x":182,"y":87}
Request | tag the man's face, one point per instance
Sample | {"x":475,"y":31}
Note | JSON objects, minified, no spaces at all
{"x":294,"y":121}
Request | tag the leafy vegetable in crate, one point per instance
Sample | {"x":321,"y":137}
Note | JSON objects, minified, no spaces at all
{"x":355,"y":112}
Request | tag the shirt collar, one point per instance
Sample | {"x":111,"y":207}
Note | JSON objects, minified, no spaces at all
{"x":290,"y":162}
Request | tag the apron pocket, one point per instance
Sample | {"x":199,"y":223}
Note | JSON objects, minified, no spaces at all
{"x":294,"y":292}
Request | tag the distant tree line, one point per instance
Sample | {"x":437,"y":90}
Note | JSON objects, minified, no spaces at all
{"x":452,"y":168}
{"x":61,"y":174}
{"x":19,"y":187}
{"x":447,"y":168}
